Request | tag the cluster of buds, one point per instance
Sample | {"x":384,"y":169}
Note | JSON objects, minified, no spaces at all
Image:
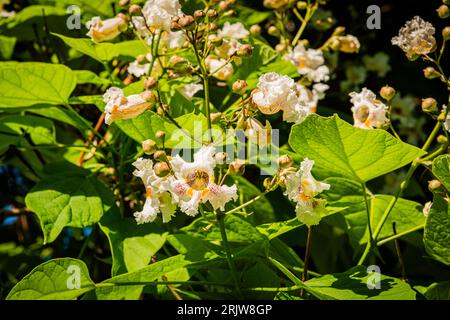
{"x":161,"y":160}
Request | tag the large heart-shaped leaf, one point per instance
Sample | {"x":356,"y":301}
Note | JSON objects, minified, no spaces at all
{"x":441,"y":169}
{"x":29,"y":83}
{"x":57,"y":279}
{"x":341,"y":150}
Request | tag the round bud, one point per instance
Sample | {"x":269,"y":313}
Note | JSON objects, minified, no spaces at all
{"x":387,"y":92}
{"x":174,"y":24}
{"x":441,"y":139}
{"x":339,"y":30}
{"x":199,"y":15}
{"x":149,"y":146}
{"x":430,"y":73}
{"x":429,"y":105}
{"x":237,"y":167}
{"x":148,"y":96}
{"x":160,"y":111}
{"x":255,"y":30}
{"x":434,"y":184}
{"x":213,"y":26}
{"x":141,"y":59}
{"x":239,"y":86}
{"x":302,"y":5}
{"x":124,"y":3}
{"x":215,"y":117}
{"x":160,"y":155}
{"x":211,"y":13}
{"x":160,"y":135}
{"x":446,"y":33}
{"x":224,"y":5}
{"x":221,"y":157}
{"x":285,"y":161}
{"x":443,"y":11}
{"x":161,"y":169}
{"x":244,"y":50}
{"x":273,"y":31}
{"x":280,"y":47}
{"x":186,"y":22}
{"x":134,"y":9}
{"x":150,"y":82}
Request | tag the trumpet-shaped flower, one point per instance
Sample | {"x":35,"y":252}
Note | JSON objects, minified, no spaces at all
{"x":302,"y":188}
{"x":120,"y":107}
{"x":309,"y":62}
{"x":368,"y":112}
{"x":104,"y":30}
{"x":233,"y":31}
{"x":159,"y":13}
{"x":416,"y":37}
{"x":194,"y":182}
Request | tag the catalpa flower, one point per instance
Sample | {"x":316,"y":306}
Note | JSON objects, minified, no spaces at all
{"x":257,"y":133}
{"x":194,"y":182}
{"x":368,"y":112}
{"x":416,"y":37}
{"x":140,"y":68}
{"x":120,"y":107}
{"x":302,"y":188}
{"x":233,"y":31}
{"x":104,"y":30}
{"x":219,"y":68}
{"x":309,"y":62}
{"x":158,"y":198}
{"x":189,"y":90}
{"x":159,"y":13}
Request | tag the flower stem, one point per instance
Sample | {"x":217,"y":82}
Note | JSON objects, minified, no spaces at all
{"x":306,"y":260}
{"x":368,"y":211}
{"x":309,"y":13}
{"x":401,"y":234}
{"x":223,"y":233}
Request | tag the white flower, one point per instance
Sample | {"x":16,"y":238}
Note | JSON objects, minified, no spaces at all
{"x":368,"y":112}
{"x":233,"y":31}
{"x":306,"y":104}
{"x":227,"y":48}
{"x":447,"y":120}
{"x":104,"y":30}
{"x":189,"y":90}
{"x":416,"y":37}
{"x":219,"y":69}
{"x":174,"y":40}
{"x":158,"y":198}
{"x":194,"y":182}
{"x":275,"y":92}
{"x":301,"y":187}
{"x":309,"y":62}
{"x":120,"y":107}
{"x":159,"y":13}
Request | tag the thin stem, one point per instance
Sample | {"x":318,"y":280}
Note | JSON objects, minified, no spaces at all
{"x":369,"y":218}
{"x":249,"y":202}
{"x":399,"y":254}
{"x":309,"y":13}
{"x":223,"y":233}
{"x":306,"y":260}
{"x":401,"y":234}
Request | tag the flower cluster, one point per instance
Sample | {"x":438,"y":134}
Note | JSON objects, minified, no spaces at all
{"x":368,"y":112}
{"x":178,"y":183}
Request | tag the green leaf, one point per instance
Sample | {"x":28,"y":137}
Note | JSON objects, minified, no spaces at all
{"x":104,"y":52}
{"x":40,"y":130}
{"x":436,"y":236}
{"x":61,"y":114}
{"x":276,"y":229}
{"x":7,"y":47}
{"x":194,"y":248}
{"x":441,"y":169}
{"x":69,"y":196}
{"x":341,"y":150}
{"x":30,"y":83}
{"x":52,"y":280}
{"x":86,"y":76}
{"x":438,"y":291}
{"x":352,"y":285}
{"x":132,"y":245}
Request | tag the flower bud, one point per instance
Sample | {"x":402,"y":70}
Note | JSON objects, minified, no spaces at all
{"x":150,"y":82}
{"x":134,"y":9}
{"x":213,"y":26}
{"x":255,"y":30}
{"x":267,"y":183}
{"x":148,"y":96}
{"x":273,"y":31}
{"x":199,"y":15}
{"x":160,"y":155}
{"x":215,"y":40}
{"x":186,"y":22}
{"x":446,"y":33}
{"x":429,"y":105}
{"x":141,"y":59}
{"x":302,"y":5}
{"x":276,"y":4}
{"x":285,"y":161}
{"x":441,"y":139}
{"x":434,"y":184}
{"x":221,"y":157}
{"x":237,"y":167}
{"x":124,"y":3}
{"x":160,"y":135}
{"x":244,"y":50}
{"x":387,"y":93}
{"x":430,"y":73}
{"x":149,"y":146}
{"x":239,"y":86}
{"x":215,"y":117}
{"x":177,"y":61}
{"x":443,"y":11}
{"x":280,"y":47}
{"x":229,"y":13}
{"x":211,"y":13}
{"x":175,"y":25}
{"x":161,"y":169}
{"x":224,"y":5}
